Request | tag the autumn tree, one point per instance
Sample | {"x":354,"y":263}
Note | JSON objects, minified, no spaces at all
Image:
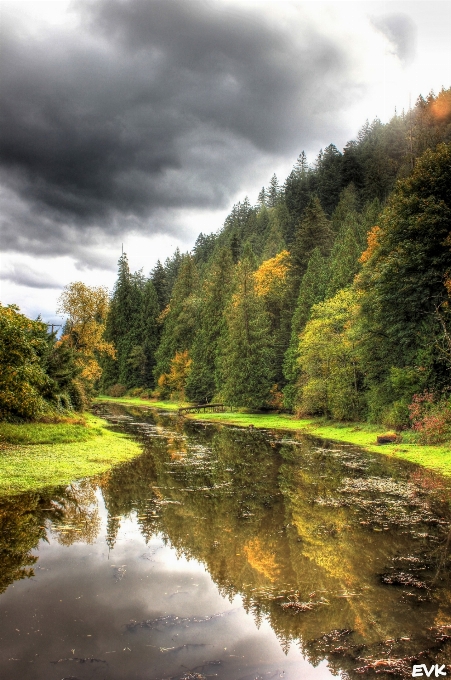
{"x":86,"y":309}
{"x":274,"y":285}
{"x":331,"y":380}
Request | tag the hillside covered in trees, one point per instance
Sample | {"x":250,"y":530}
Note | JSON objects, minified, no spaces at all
{"x":330,"y":296}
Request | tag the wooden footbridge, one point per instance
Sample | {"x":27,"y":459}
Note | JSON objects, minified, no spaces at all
{"x":202,"y":408}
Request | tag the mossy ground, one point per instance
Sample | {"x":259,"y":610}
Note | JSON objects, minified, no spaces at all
{"x":37,"y":455}
{"x":360,"y":434}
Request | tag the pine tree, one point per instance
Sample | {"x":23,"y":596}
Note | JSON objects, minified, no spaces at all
{"x":158,"y":278}
{"x":329,"y":178}
{"x":180,"y":317}
{"x":345,"y":256}
{"x":274,"y":241}
{"x":312,"y":291}
{"x":313,"y":232}
{"x":301,"y":166}
{"x":124,"y":328}
{"x":171,"y":268}
{"x":273,"y":192}
{"x":151,"y":332}
{"x":405,"y":266}
{"x":203,"y":380}
{"x":246,"y":362}
{"x":348,"y":203}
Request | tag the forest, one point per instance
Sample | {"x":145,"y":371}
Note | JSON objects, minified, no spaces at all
{"x":328,"y":297}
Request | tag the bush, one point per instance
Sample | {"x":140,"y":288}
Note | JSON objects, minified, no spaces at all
{"x":397,"y":415}
{"x":116,"y":390}
{"x":431,"y":417}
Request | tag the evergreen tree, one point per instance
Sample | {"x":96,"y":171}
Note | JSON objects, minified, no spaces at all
{"x":301,"y":166}
{"x":179,"y":323}
{"x":203,"y":380}
{"x":150,"y":333}
{"x":405,"y":266}
{"x":348,"y":203}
{"x":311,"y":292}
{"x":329,"y":178}
{"x":273,"y":192}
{"x":124,"y":327}
{"x":312,"y":232}
{"x":246,"y":362}
{"x":344,"y":261}
{"x":274,"y":241}
{"x":158,"y":278}
{"x":235,"y":248}
{"x":171,"y":268}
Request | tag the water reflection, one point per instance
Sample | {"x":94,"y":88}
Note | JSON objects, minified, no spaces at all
{"x":343,"y":554}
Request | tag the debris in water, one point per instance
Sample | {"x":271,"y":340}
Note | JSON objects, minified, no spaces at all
{"x":402,"y":578}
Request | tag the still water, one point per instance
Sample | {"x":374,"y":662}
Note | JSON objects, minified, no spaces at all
{"x":231,"y":554}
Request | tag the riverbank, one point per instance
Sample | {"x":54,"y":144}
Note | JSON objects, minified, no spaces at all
{"x":436,"y":458}
{"x":37,"y":455}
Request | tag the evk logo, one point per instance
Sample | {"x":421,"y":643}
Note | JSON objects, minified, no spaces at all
{"x":419,"y":671}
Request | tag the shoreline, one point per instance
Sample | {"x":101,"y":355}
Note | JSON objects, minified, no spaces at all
{"x":81,"y":450}
{"x":363,"y":435}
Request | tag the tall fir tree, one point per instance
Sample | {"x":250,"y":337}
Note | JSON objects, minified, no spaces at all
{"x":312,"y":232}
{"x":273,"y":192}
{"x":158,"y":278}
{"x":150,"y":332}
{"x":344,"y":261}
{"x":312,"y":291}
{"x":180,"y":317}
{"x":203,"y":380}
{"x":246,"y":361}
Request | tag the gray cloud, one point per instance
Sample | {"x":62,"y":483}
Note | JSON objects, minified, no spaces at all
{"x":401,"y":31}
{"x":22,"y":275}
{"x":152,"y":106}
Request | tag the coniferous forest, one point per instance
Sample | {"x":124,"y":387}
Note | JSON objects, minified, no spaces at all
{"x":330,"y":296}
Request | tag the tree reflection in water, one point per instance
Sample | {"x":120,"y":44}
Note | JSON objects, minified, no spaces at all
{"x":344,"y":553}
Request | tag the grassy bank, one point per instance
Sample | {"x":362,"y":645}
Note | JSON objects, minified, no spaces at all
{"x":360,"y":434}
{"x":36,"y":455}
{"x":137,"y":401}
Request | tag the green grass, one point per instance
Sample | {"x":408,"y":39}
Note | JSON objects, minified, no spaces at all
{"x":37,"y":455}
{"x":48,"y":433}
{"x":137,"y":401}
{"x":360,"y":434}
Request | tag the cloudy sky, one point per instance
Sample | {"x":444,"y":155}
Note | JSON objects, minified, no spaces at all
{"x":141,"y":122}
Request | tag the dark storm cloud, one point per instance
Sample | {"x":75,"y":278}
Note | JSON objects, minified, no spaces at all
{"x":401,"y":31}
{"x":150,"y":106}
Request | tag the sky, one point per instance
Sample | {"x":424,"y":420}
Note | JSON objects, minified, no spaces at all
{"x":137,"y":124}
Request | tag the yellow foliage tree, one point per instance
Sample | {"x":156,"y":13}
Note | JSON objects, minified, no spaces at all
{"x":86,"y":308}
{"x":174,"y":382}
{"x":271,"y":276}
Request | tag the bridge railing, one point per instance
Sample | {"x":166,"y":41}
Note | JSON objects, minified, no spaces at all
{"x":202,"y":408}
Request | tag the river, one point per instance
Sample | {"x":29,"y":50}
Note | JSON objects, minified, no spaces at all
{"x":227,"y":553}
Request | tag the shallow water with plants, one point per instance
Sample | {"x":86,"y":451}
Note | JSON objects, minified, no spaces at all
{"x":229,"y":553}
